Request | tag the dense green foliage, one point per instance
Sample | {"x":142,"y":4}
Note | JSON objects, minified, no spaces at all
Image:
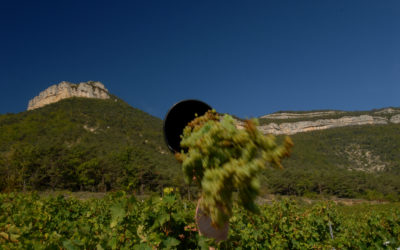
{"x":121,"y":221}
{"x":340,"y":162}
{"x":102,"y":145}
{"x":222,"y":159}
{"x":85,"y":144}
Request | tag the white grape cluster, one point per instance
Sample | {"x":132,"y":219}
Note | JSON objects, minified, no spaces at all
{"x":225,"y":160}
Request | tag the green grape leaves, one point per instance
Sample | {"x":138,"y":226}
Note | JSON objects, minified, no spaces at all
{"x":285,"y":224}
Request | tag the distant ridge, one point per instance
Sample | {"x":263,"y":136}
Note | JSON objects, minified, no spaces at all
{"x":296,"y":122}
{"x":63,"y":90}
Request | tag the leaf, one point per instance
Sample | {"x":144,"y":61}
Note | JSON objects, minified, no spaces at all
{"x":14,"y":237}
{"x":162,"y":218}
{"x":69,"y":245}
{"x":203,"y":243}
{"x":142,"y":246}
{"x":117,"y":215}
{"x":169,"y":199}
{"x":170,"y":242}
{"x":4,"y":235}
{"x":113,"y":243}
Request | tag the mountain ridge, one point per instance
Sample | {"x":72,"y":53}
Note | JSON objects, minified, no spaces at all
{"x":296,"y":122}
{"x":93,"y":144}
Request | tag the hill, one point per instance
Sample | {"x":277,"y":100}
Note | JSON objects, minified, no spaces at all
{"x":92,"y":144}
{"x":346,"y":161}
{"x":85,"y":144}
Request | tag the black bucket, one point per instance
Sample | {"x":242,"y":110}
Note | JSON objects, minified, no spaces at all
{"x":178,"y":117}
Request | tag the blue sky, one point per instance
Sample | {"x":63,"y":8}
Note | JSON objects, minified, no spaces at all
{"x":247,"y":58}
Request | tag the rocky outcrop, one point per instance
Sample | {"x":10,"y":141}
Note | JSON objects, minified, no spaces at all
{"x":284,"y":115}
{"x":305,"y":126}
{"x":64,"y":90}
{"x":308,"y":121}
{"x":387,"y":111}
{"x":362,"y":159}
{"x":395,"y":119}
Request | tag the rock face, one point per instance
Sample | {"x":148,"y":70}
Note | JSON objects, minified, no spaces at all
{"x":305,"y":126}
{"x":308,"y":121}
{"x":395,"y":119}
{"x":300,"y":115}
{"x":64,"y":90}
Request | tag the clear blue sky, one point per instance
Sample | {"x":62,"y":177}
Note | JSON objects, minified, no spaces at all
{"x":247,"y":58}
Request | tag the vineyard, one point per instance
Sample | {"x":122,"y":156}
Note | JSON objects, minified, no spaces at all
{"x":122,"y":221}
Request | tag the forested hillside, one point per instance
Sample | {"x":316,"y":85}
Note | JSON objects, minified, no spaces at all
{"x":85,"y":144}
{"x":82,"y":144}
{"x":354,"y":161}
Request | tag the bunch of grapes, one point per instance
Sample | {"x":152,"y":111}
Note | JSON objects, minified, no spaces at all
{"x":223,"y":160}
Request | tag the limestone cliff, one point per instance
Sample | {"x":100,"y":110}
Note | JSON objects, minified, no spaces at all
{"x":65,"y":89}
{"x":384,"y":116}
{"x":305,"y":126}
{"x":395,"y":119}
{"x":284,"y":115}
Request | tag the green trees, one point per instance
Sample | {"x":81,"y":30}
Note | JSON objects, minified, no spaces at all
{"x":84,"y":144}
{"x":89,"y":144}
{"x":341,"y":162}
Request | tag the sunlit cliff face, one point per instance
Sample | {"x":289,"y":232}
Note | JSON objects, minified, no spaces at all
{"x":64,"y":90}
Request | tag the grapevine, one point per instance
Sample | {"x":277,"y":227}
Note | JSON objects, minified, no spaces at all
{"x":223,"y":160}
{"x":120,"y":221}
